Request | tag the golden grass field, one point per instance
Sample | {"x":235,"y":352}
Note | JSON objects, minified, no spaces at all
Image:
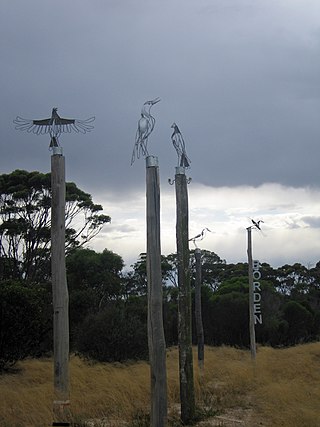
{"x":283,"y":389}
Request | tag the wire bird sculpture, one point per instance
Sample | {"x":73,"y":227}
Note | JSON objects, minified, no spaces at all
{"x":179,"y":145}
{"x":256,"y":225}
{"x":199,"y":236}
{"x":145,"y":127}
{"x":54,"y":126}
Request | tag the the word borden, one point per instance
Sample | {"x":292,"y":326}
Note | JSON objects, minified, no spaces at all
{"x":257,"y":315}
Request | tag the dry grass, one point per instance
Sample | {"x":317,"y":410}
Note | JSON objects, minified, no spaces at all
{"x":282,"y":390}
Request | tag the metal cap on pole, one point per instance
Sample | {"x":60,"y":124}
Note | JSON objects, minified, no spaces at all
{"x":152,"y":161}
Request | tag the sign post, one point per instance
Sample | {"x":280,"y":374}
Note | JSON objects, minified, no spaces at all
{"x":251,"y":313}
{"x":255,"y":315}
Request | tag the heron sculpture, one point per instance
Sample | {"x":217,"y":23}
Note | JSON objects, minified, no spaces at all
{"x":180,"y":146}
{"x":145,"y":127}
{"x":54,"y":126}
{"x":199,"y":236}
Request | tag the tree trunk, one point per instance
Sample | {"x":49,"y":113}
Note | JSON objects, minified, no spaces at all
{"x":156,"y":339}
{"x":198,"y":311}
{"x":251,"y":302}
{"x":185,"y":334}
{"x":60,"y":292}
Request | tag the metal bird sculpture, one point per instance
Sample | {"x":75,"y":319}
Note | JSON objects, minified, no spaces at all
{"x":145,"y":127}
{"x":257,"y":223}
{"x":199,"y":236}
{"x":54,"y":126}
{"x":179,"y":145}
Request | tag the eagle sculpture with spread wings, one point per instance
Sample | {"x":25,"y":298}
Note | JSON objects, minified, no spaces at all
{"x":54,"y":126}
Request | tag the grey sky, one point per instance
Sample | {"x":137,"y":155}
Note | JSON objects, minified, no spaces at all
{"x":240,"y":78}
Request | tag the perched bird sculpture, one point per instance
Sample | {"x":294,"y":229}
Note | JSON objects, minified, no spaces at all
{"x":180,"y":146}
{"x":54,"y":126}
{"x":199,"y":236}
{"x":145,"y":127}
{"x":257,"y":223}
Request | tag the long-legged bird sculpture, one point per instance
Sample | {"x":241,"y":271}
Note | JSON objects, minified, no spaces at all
{"x":199,"y":236}
{"x":54,"y":126}
{"x":180,"y":146}
{"x":145,"y":127}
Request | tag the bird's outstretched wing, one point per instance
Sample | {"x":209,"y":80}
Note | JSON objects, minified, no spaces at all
{"x":54,"y":126}
{"x":37,"y":127}
{"x":78,"y":126}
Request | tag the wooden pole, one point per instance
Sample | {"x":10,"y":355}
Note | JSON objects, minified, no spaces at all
{"x":156,"y":339}
{"x":198,"y":311}
{"x":61,"y":401}
{"x":184,"y":306}
{"x":251,"y":299}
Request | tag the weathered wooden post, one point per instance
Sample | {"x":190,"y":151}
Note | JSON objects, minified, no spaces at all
{"x":60,"y":291}
{"x":184,"y":304}
{"x":156,"y":339}
{"x":251,"y":302}
{"x":54,"y":126}
{"x":184,"y":301}
{"x":198,"y":311}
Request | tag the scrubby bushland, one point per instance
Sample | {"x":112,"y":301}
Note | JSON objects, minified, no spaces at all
{"x":117,"y":333}
{"x":25,"y":322}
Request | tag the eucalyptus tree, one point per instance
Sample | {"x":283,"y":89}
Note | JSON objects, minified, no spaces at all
{"x":25,"y":222}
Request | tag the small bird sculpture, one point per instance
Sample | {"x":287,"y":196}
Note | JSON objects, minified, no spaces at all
{"x":145,"y":127}
{"x":199,"y":236}
{"x":54,"y":126}
{"x":180,"y":147}
{"x":257,"y":223}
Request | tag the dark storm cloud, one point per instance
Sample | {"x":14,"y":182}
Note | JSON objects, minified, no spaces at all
{"x":240,"y":78}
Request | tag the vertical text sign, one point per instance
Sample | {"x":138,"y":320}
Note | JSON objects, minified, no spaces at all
{"x":256,"y":293}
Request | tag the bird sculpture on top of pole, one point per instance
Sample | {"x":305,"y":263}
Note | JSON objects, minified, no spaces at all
{"x":156,"y":337}
{"x":256,"y":223}
{"x":145,"y":127}
{"x":180,"y":147}
{"x":54,"y":126}
{"x":199,"y":236}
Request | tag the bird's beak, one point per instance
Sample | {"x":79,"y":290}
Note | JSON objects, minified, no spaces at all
{"x":154,"y":101}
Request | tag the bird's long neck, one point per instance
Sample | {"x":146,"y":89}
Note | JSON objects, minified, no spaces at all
{"x":146,"y":112}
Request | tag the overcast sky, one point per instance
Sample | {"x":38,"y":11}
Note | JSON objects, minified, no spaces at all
{"x":241,"y":78}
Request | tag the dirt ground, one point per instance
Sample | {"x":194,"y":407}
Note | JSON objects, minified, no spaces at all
{"x":233,"y":418}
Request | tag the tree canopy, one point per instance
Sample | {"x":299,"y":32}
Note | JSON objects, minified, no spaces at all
{"x":25,"y":221}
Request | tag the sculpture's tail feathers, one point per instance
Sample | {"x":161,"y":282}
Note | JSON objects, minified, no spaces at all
{"x":184,"y":161}
{"x":54,"y":142}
